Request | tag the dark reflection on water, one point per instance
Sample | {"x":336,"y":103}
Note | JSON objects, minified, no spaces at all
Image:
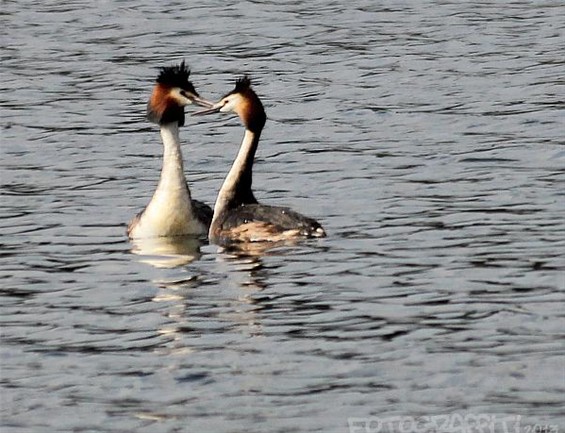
{"x":426,"y":137}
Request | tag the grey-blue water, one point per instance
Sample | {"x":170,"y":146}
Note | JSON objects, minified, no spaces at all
{"x":427,"y":137}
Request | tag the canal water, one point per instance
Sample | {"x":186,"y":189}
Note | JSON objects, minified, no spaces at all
{"x":427,"y":138}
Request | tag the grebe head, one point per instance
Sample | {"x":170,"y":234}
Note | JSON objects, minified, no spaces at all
{"x":243,"y":101}
{"x":171,"y":93}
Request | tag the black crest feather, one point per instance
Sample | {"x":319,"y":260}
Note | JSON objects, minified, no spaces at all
{"x":242,"y":84}
{"x":174,"y":76}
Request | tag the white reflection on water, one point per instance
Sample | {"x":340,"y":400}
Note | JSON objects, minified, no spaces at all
{"x":167,"y":252}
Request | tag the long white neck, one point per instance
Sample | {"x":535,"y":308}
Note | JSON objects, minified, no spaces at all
{"x":172,"y":180}
{"x":236,"y":188}
{"x":170,"y":211}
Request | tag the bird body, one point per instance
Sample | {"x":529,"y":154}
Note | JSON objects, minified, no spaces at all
{"x":238,"y":217}
{"x":171,"y":211}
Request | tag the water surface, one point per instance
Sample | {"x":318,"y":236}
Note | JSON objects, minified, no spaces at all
{"x":427,"y":137}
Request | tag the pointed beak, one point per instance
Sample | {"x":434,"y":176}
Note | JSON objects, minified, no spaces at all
{"x":202,"y":102}
{"x":214,"y":108}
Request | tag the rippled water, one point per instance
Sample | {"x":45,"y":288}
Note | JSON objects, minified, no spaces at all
{"x":427,"y":137}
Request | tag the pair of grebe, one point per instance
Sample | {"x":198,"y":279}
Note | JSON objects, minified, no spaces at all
{"x":237,"y":216}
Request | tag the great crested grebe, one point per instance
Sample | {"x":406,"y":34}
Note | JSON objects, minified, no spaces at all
{"x":238,"y":217}
{"x":171,"y":211}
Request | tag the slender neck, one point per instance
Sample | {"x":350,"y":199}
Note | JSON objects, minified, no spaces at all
{"x":172,"y":173}
{"x":236,"y":189}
